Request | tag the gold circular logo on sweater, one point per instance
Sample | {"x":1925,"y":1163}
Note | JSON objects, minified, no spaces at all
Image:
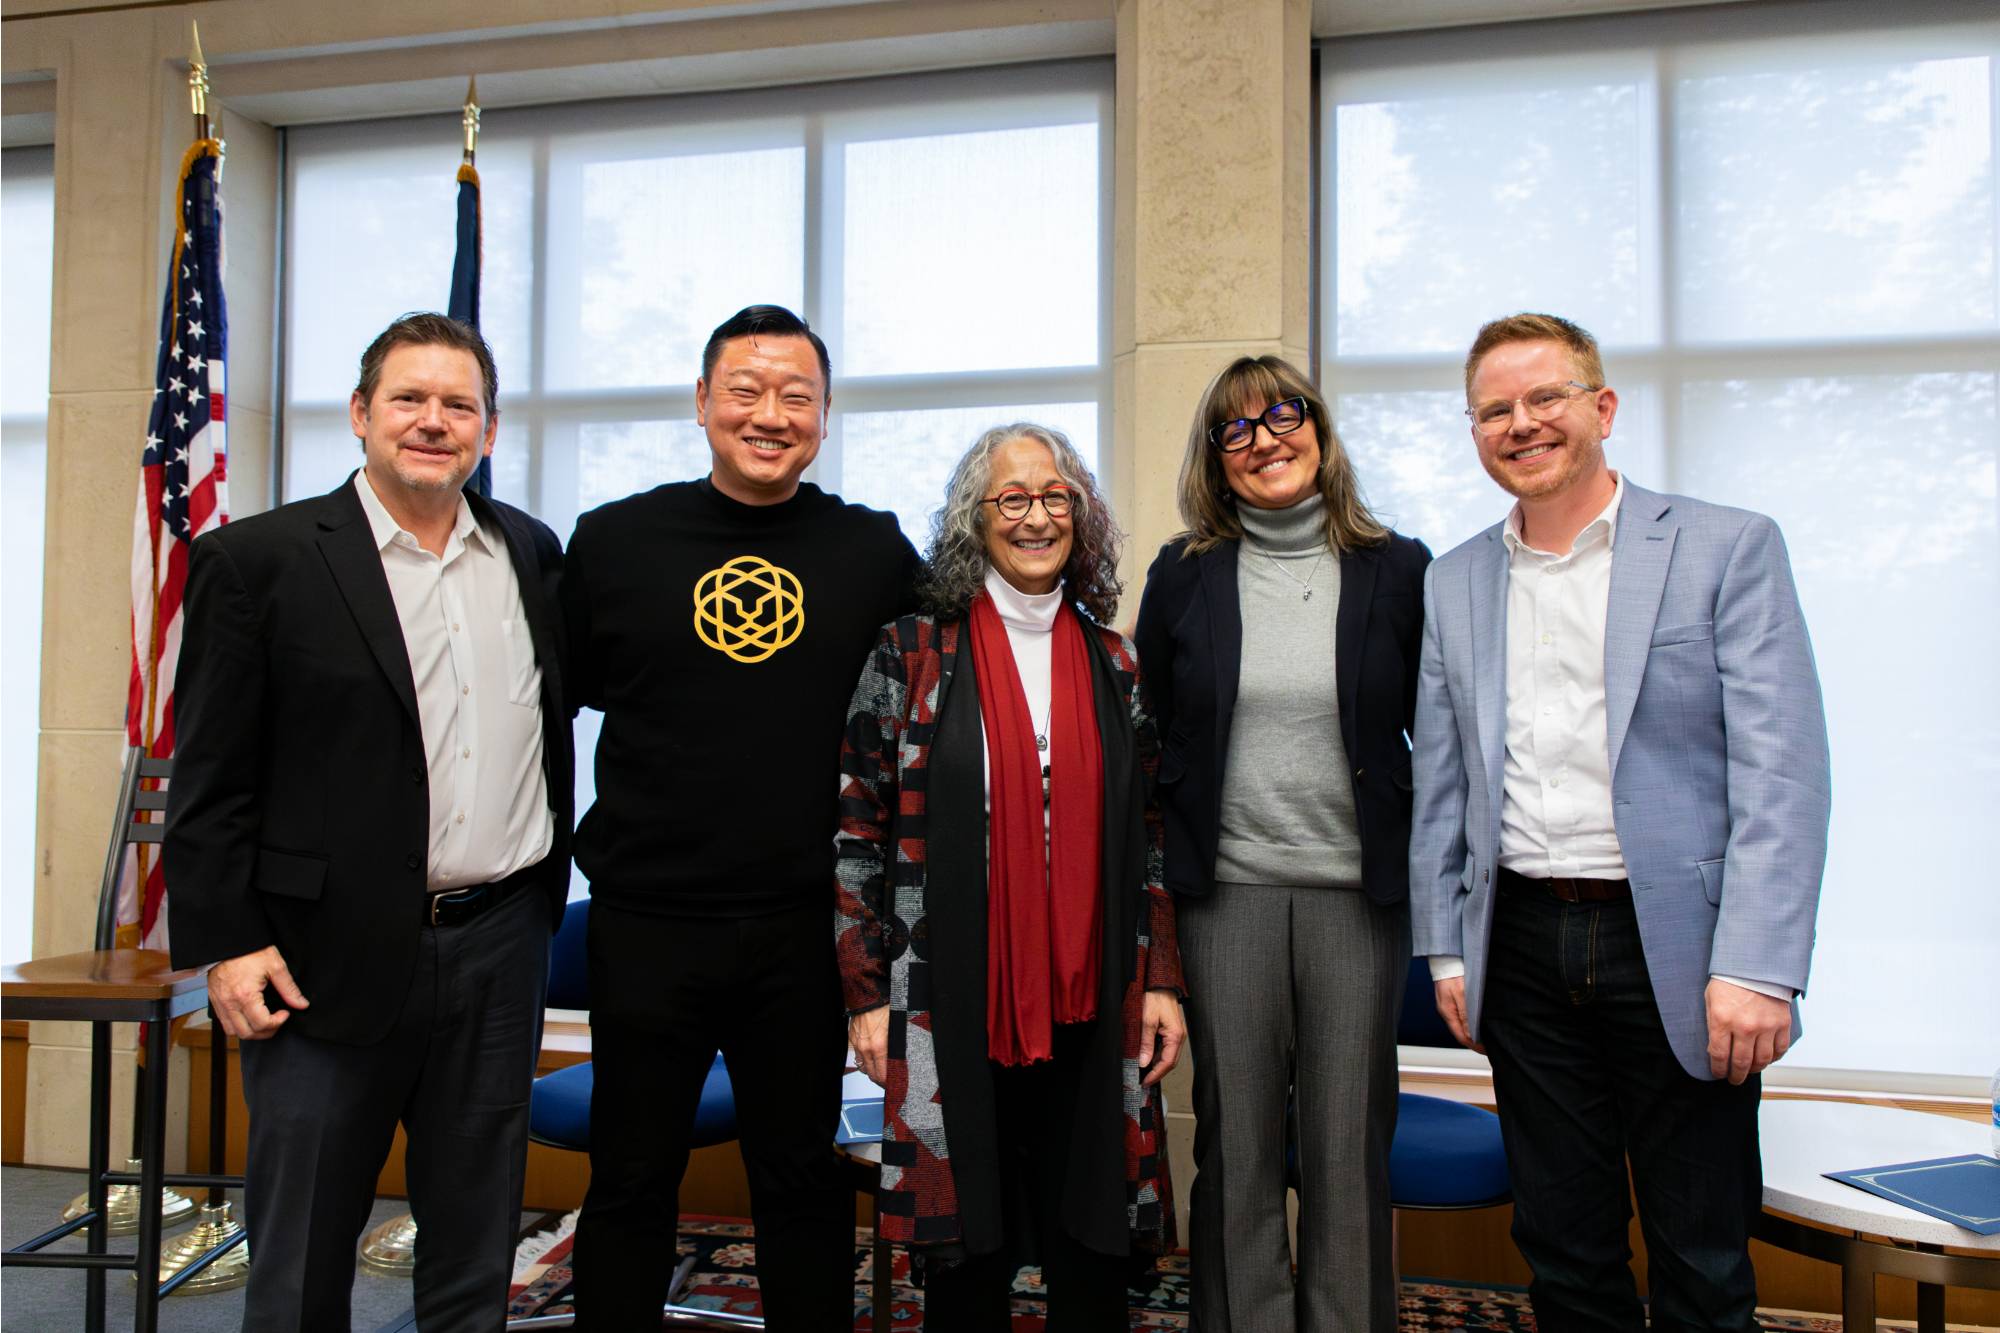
{"x":748,"y":608}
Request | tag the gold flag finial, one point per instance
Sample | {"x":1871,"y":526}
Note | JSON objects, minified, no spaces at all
{"x":198,"y":84}
{"x":471,"y":117}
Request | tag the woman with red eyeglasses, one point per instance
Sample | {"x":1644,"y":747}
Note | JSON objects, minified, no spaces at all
{"x":1280,"y":636}
{"x":1006,"y":946}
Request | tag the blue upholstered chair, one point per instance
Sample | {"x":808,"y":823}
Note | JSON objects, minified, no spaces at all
{"x":559,"y":1104}
{"x":1446,"y":1155}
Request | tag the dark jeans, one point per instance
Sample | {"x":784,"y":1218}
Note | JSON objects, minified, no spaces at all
{"x":455,"y":1071}
{"x":1585,"y":1079}
{"x":1034,"y":1108}
{"x":666,"y":993}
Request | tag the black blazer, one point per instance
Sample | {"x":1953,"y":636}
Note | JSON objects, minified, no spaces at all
{"x":299,"y":811}
{"x":1190,"y":640}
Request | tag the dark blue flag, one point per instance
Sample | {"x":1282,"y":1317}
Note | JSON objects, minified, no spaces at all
{"x":465,"y":288}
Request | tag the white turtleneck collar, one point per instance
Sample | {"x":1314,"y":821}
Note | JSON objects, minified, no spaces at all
{"x":1029,"y":612}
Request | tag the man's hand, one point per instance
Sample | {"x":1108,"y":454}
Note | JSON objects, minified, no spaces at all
{"x":1747,"y":1032}
{"x":1162,"y":1019}
{"x":1451,"y":1007}
{"x":236,"y":989}
{"x":869,"y":1035}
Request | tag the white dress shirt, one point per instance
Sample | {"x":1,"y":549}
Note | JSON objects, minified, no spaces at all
{"x":1555,"y":789}
{"x":479,"y":696}
{"x":1555,"y":799}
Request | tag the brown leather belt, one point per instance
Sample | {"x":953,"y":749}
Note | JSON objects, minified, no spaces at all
{"x":1570,"y":890}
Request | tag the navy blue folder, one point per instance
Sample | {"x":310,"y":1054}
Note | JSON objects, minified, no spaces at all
{"x":1964,"y":1191}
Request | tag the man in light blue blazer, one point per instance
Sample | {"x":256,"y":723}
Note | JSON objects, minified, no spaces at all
{"x":1621,"y":811}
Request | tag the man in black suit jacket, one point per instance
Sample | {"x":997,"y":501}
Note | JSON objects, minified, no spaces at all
{"x":368,"y":836}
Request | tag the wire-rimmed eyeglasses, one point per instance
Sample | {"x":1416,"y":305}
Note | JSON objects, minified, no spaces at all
{"x":1544,"y":402}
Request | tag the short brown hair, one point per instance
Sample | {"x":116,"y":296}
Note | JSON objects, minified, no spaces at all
{"x":1529,"y":327}
{"x":1208,"y":507}
{"x":427,"y":328}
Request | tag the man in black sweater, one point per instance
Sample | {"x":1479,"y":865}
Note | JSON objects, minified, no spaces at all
{"x":720,"y":625}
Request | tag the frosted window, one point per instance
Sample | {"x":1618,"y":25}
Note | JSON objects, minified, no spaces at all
{"x":1786,"y":243}
{"x":1837,"y":202}
{"x":320,"y":450}
{"x":27,"y":250}
{"x":900,"y":461}
{"x":647,"y":261}
{"x":994,"y":233}
{"x":1464,"y":207}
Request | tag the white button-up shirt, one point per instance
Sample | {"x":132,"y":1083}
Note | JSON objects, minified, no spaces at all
{"x":479,"y":696}
{"x":1555,"y":794}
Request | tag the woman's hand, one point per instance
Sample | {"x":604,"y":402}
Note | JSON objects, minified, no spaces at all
{"x":869,"y":1035}
{"x":1161,"y":1015}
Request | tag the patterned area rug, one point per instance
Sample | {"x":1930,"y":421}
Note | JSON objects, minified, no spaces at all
{"x":725,"y":1279}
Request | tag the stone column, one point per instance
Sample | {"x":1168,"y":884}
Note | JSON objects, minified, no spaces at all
{"x":1212,"y":249}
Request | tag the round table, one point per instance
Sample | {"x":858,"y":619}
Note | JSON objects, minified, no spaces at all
{"x":1862,"y":1232}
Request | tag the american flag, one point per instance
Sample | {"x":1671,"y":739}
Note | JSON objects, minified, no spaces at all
{"x":182,"y":490}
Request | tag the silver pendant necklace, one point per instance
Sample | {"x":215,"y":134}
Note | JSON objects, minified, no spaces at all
{"x":1042,"y":747}
{"x":1306,"y":593}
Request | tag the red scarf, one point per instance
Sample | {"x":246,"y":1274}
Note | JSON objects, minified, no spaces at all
{"x":1044,"y":915}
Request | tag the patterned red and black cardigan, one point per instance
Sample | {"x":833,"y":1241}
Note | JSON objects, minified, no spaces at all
{"x":881,"y":925}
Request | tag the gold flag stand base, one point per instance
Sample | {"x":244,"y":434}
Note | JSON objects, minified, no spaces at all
{"x":121,"y":1207}
{"x":226,"y":1273}
{"x":391,"y":1249}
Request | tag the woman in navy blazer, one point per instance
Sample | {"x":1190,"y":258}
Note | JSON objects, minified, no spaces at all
{"x":1279,"y":637}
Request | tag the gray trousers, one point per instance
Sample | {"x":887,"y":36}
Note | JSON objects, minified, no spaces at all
{"x":454,"y":1071}
{"x":1292,"y":992}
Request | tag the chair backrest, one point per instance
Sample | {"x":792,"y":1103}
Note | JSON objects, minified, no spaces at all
{"x":141,"y":818}
{"x":569,"y":963}
{"x":1421,"y":1024}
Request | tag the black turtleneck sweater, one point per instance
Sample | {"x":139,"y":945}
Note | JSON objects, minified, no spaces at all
{"x":721,"y":641}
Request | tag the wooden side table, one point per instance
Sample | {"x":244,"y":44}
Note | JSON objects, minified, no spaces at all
{"x":102,"y":988}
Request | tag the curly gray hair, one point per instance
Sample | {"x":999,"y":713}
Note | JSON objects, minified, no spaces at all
{"x":955,"y":566}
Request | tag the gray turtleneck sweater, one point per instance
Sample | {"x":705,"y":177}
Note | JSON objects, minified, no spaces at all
{"x":1287,"y":799}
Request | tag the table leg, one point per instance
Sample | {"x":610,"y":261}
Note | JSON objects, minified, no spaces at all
{"x":218,"y":1104}
{"x":1857,"y":1296}
{"x":146,"y":1310}
{"x":99,"y":1230}
{"x":885,"y":1264}
{"x":1930,"y":1308}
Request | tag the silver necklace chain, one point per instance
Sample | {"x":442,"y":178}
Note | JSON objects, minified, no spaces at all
{"x":1305,"y":584}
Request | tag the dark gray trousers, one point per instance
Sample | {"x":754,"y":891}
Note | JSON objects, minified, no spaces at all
{"x":1292,"y":992}
{"x":454,"y":1071}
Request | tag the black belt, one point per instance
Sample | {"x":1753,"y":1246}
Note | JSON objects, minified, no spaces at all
{"x":462,"y":905}
{"x":1570,"y":890}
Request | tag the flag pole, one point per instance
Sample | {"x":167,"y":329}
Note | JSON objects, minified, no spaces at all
{"x":198,"y":84}
{"x":470,"y":119}
{"x":216,"y":1229}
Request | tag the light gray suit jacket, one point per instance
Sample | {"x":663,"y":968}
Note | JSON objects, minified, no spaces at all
{"x":1717,"y":737}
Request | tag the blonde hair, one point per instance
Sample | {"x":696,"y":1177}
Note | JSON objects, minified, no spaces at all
{"x":1245,"y":387}
{"x":1529,"y":327}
